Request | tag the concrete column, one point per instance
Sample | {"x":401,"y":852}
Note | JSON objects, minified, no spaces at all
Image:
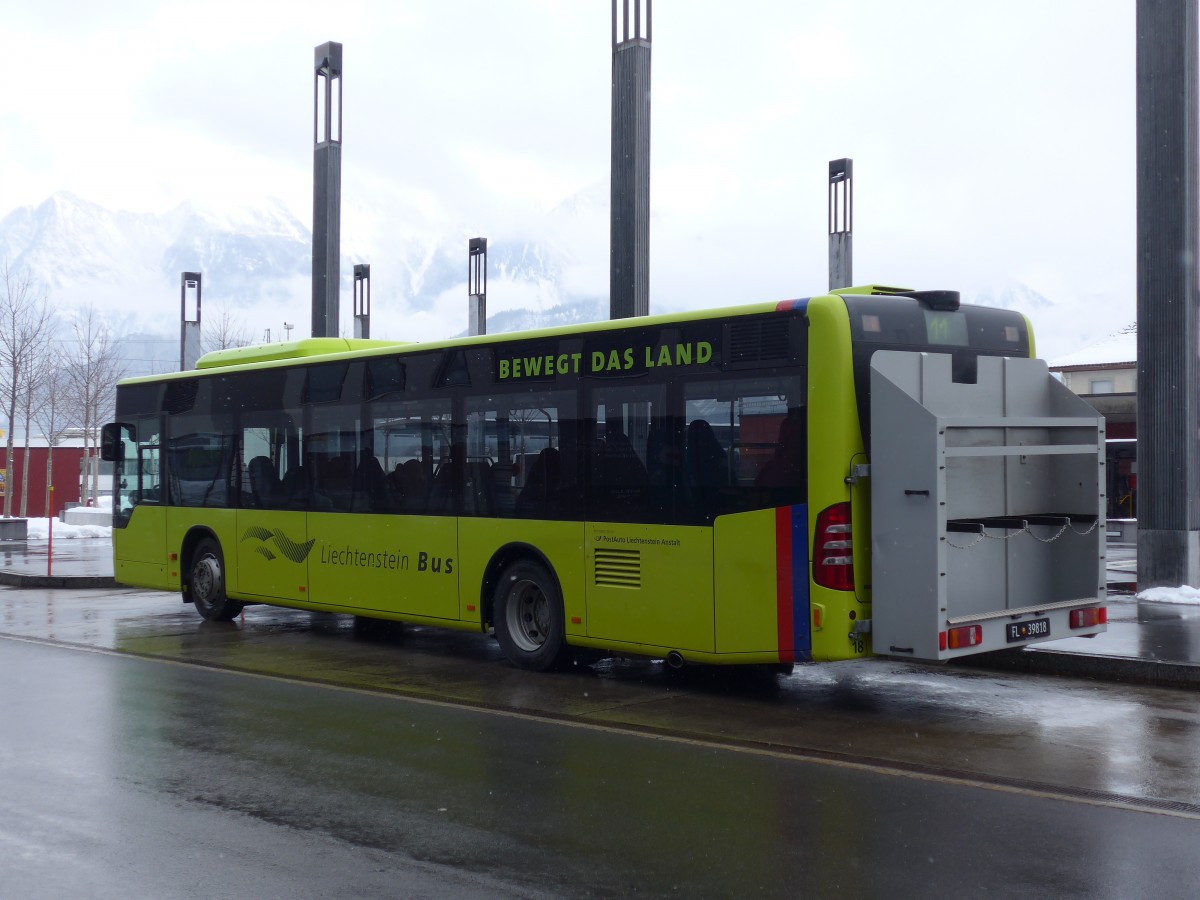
{"x":327,"y":190}
{"x":189,"y":320}
{"x":841,"y":223}
{"x":362,"y":301}
{"x":1168,"y":341}
{"x":629,"y":249}
{"x":477,"y":286}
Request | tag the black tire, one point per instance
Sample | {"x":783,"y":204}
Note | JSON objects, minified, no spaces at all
{"x":528,"y":615}
{"x":206,"y":584}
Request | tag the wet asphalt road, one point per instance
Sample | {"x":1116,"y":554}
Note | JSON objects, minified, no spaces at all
{"x":180,"y":772}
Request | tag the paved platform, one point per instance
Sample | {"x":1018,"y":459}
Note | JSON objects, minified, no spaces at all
{"x":75,"y":563}
{"x":1146,"y":643}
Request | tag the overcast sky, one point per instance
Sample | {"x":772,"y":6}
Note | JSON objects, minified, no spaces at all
{"x":993,"y":142}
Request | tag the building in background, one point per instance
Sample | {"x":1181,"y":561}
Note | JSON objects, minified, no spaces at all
{"x":1105,"y":375}
{"x":68,"y":466}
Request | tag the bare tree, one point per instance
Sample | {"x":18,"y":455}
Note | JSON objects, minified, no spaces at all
{"x":40,"y":366}
{"x":50,"y":412}
{"x":224,"y":330}
{"x":24,"y":320}
{"x":93,"y":377}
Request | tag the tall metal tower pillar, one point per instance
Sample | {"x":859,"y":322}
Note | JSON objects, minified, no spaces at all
{"x":327,"y":190}
{"x":629,"y":249}
{"x":841,"y":223}
{"x":362,"y":300}
{"x":477,"y":286}
{"x":1168,"y":298}
{"x":189,"y":320}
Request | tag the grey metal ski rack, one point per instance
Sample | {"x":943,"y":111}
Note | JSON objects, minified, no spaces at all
{"x":987,"y":505}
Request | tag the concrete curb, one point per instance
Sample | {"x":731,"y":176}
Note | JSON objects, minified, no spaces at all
{"x":1128,"y":670}
{"x":20,"y":580}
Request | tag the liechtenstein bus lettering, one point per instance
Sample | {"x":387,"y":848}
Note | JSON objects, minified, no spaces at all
{"x":810,"y":480}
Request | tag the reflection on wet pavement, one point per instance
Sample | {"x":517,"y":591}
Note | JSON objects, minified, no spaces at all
{"x":1065,"y":733}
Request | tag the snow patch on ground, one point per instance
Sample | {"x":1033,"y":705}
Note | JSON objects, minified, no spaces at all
{"x":1186,"y":595}
{"x":39,"y":530}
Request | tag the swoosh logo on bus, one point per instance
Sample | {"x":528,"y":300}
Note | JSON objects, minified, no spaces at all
{"x":292,"y":550}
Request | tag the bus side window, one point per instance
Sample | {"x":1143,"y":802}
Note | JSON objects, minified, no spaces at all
{"x":264,"y":486}
{"x":408,"y":485}
{"x":537,"y":497}
{"x":785,"y":469}
{"x":371,"y":488}
{"x":335,"y":474}
{"x":149,"y":485}
{"x":706,"y":467}
{"x":200,"y":464}
{"x":411,"y":441}
{"x":521,"y":452}
{"x":620,"y":483}
{"x":625,"y":416}
{"x":441,"y":492}
{"x":137,"y":474}
{"x":665,"y":470}
{"x":753,"y":432}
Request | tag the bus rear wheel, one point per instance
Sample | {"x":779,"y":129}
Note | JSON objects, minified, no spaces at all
{"x":206,"y":584}
{"x":529,"y":617}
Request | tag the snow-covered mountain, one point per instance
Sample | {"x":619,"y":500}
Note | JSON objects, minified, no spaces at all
{"x":1016,"y":296}
{"x":1059,"y":328}
{"x":129,"y":264}
{"x":256,"y":263}
{"x":66,"y":240}
{"x":575,"y":313}
{"x":73,"y":246}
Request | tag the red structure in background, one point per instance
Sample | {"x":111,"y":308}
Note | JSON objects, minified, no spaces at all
{"x":1120,"y":430}
{"x":67,"y":463}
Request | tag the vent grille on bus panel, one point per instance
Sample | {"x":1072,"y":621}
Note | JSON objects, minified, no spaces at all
{"x":618,"y":568}
{"x":762,"y":340}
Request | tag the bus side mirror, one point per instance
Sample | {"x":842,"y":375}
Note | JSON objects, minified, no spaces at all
{"x":111,"y":448}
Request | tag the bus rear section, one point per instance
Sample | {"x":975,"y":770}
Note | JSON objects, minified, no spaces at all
{"x":987,"y":502}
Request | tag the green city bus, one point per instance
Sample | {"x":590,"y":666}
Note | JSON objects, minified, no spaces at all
{"x":679,"y":487}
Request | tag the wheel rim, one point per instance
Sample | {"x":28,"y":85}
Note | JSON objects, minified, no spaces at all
{"x":527,"y":615}
{"x":206,"y":580}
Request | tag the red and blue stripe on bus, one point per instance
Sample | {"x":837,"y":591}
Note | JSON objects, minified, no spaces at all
{"x":791,"y":583}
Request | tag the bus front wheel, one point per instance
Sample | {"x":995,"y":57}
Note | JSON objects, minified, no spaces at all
{"x":529,"y":617}
{"x":206,"y":584}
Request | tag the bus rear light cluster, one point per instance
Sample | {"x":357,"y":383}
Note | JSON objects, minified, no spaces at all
{"x":963,"y":636}
{"x":1089,"y":617}
{"x":833,"y":549}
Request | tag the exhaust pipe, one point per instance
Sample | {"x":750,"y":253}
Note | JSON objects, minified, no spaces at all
{"x":675,"y":659}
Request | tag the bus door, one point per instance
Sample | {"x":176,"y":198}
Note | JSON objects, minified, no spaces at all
{"x":273,"y":546}
{"x":649,"y":579}
{"x":140,"y":556}
{"x":757,"y":509}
